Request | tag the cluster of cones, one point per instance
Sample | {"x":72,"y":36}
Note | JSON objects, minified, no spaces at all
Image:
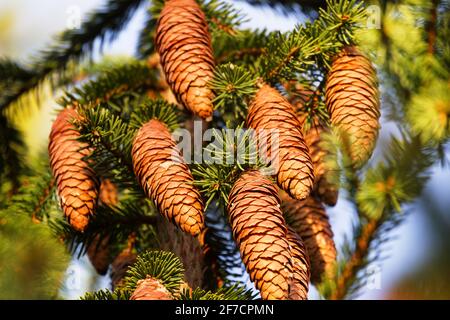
{"x":280,"y":225}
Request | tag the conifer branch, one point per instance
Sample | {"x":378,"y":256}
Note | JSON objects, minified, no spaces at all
{"x":72,"y":45}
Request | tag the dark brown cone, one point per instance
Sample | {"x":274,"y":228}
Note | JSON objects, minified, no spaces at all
{"x":98,"y":253}
{"x":310,"y":221}
{"x":150,"y":289}
{"x":76,"y":182}
{"x":271,"y":112}
{"x":353,"y":103}
{"x":184,"y":45}
{"x":261,"y":234}
{"x":120,"y":266}
{"x":300,"y":284}
{"x":166,"y":178}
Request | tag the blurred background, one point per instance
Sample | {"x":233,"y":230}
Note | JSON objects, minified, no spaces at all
{"x":415,"y":264}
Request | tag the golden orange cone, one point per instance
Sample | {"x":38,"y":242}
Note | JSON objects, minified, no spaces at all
{"x":166,"y":178}
{"x":76,"y":182}
{"x":309,"y":220}
{"x":353,"y":103}
{"x":271,"y":112}
{"x":184,"y":45}
{"x":273,"y":259}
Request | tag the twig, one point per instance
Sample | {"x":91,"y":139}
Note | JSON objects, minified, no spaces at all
{"x":356,"y":261}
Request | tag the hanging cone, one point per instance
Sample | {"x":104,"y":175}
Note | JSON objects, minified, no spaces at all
{"x":166,"y":178}
{"x":150,"y":289}
{"x":300,"y":283}
{"x":76,"y":182}
{"x":271,"y":113}
{"x":261,"y":234}
{"x":120,"y":266}
{"x":309,"y":220}
{"x":323,"y":188}
{"x":353,"y":103}
{"x":109,"y":194}
{"x":184,"y":45}
{"x":98,"y":253}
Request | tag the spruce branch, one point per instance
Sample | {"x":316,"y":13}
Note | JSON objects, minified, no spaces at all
{"x":117,"y":294}
{"x":163,"y":266}
{"x":111,"y":141}
{"x":11,"y":153}
{"x":134,"y":77}
{"x":72,"y":45}
{"x":116,"y":223}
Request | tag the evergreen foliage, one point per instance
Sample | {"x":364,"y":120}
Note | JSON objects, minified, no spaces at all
{"x":115,"y":99}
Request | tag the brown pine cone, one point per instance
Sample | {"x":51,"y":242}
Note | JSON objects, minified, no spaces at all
{"x":310,"y":221}
{"x":150,"y":289}
{"x":166,"y":178}
{"x":120,"y":266}
{"x":261,"y":234}
{"x":184,"y":45}
{"x":299,"y":288}
{"x":76,"y":182}
{"x":353,"y":103}
{"x":98,"y":253}
{"x":323,"y":188}
{"x":108,"y":194}
{"x":270,"y":112}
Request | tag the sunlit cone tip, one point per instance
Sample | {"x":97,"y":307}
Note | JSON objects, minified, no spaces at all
{"x":150,"y":289}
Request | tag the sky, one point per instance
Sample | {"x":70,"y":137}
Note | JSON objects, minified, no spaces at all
{"x":32,"y":25}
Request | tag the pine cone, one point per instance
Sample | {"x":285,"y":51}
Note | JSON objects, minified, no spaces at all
{"x":299,"y":288}
{"x":271,"y":112}
{"x":120,"y":266}
{"x":76,"y":182}
{"x":150,"y":289}
{"x":166,"y":178}
{"x":98,"y":253}
{"x":184,"y":45}
{"x":353,"y":102}
{"x":261,"y":234}
{"x":323,"y":188}
{"x":309,"y":220}
{"x":108,"y":194}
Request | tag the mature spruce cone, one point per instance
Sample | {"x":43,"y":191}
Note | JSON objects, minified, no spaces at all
{"x":310,"y":221}
{"x":166,"y":178}
{"x":184,"y":45}
{"x":98,"y":253}
{"x":150,"y":289}
{"x":299,"y":288}
{"x":353,"y":103}
{"x":261,"y":234}
{"x":323,"y":188}
{"x":120,"y":266}
{"x":270,"y":112}
{"x":76,"y":182}
{"x":108,"y":194}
